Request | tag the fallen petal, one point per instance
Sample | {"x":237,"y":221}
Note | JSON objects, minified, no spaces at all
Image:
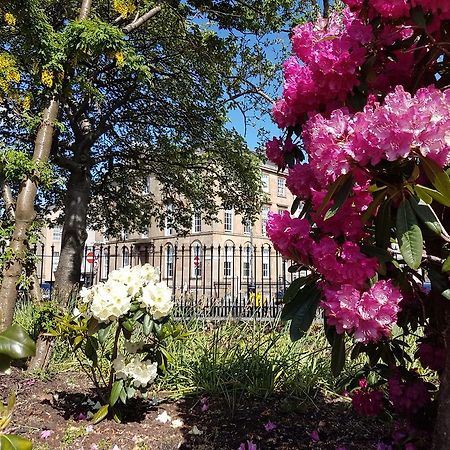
{"x":195,"y":431}
{"x":164,"y":417}
{"x":177,"y":423}
{"x":315,"y":436}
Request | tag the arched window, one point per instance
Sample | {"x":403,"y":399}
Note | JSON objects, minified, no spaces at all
{"x":265,"y":261}
{"x":247,"y":261}
{"x":196,"y":259}
{"x":228,"y":259}
{"x":169,"y":261}
{"x":125,"y":257}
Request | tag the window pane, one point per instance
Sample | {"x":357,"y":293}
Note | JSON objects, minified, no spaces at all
{"x":265,"y":182}
{"x":281,"y":187}
{"x":228,"y":220}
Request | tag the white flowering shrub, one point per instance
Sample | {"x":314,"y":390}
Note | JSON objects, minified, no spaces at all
{"x":118,"y":332}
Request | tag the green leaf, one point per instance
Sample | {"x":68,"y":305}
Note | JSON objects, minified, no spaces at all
{"x":338,"y":354}
{"x":103,"y":334}
{"x":409,"y":235}
{"x":100,"y":414}
{"x":333,"y":189}
{"x":383,"y":225}
{"x":304,"y":311}
{"x":437,"y":175}
{"x":295,"y":205}
{"x":123,"y":396}
{"x":294,"y":287}
{"x":115,"y":392}
{"x":418,"y":16}
{"x":13,"y":442}
{"x":377,"y":199}
{"x":446,"y":265}
{"x":128,"y":325}
{"x":423,"y":192}
{"x":147,"y":324}
{"x":5,"y":363}
{"x":426,"y":214}
{"x":340,"y":197}
{"x":15,"y":343}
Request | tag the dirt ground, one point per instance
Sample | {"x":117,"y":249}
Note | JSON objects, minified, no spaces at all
{"x":52,"y":414}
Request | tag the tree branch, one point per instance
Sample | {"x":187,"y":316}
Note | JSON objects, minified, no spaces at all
{"x":141,"y":20}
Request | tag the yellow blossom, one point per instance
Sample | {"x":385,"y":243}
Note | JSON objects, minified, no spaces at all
{"x":47,"y":78}
{"x":124,"y":7}
{"x":13,"y":76}
{"x":10,"y":19}
{"x":4,"y":86}
{"x":120,"y":59}
{"x":26,"y":103}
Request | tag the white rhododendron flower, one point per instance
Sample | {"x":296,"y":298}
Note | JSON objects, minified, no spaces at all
{"x":157,"y":299}
{"x":110,"y":301}
{"x":141,"y":372}
{"x":133,"y":347}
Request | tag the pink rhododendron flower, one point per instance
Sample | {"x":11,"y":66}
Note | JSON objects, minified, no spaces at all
{"x":290,"y":236}
{"x":432,"y":355}
{"x":391,"y":10}
{"x":315,"y":436}
{"x":45,"y":434}
{"x":250,"y":446}
{"x":204,"y":404}
{"x":367,"y":402}
{"x":408,"y":394}
{"x":370,"y":315}
{"x":270,"y":426}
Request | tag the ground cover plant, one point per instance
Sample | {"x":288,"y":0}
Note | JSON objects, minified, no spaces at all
{"x":366,"y":114}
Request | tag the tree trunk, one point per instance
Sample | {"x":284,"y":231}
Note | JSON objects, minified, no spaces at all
{"x":44,"y":350}
{"x":74,"y":234}
{"x":441,"y":435}
{"x":24,"y":216}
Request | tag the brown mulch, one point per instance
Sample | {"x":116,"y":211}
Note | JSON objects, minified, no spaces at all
{"x":56,"y":405}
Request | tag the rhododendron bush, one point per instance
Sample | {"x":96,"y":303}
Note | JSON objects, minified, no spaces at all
{"x":118,"y":332}
{"x":365,"y":111}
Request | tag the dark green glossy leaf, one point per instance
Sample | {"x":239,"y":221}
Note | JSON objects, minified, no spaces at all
{"x":426,"y":214}
{"x":383,"y":225}
{"x":294,"y":287}
{"x":438,"y":177}
{"x":15,"y":343}
{"x":13,"y":442}
{"x":338,"y":355}
{"x":306,"y":303}
{"x":334,"y":187}
{"x":295,"y":205}
{"x":409,"y":235}
{"x":418,"y":16}
{"x":340,"y":197}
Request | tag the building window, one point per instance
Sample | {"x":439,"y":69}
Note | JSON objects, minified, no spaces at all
{"x":105,"y":266}
{"x":55,"y":261}
{"x":281,"y":187}
{"x":125,"y":257}
{"x":264,"y":216}
{"x":265,"y":263}
{"x":265,"y":182}
{"x":227,"y":263}
{"x":124,"y":235}
{"x":168,"y":230}
{"x":228,"y":220}
{"x":196,"y":252}
{"x":247,"y":227}
{"x":57,"y":233}
{"x":197,"y":222}
{"x":247,"y":265}
{"x":169,"y":262}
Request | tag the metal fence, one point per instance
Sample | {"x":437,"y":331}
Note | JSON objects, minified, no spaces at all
{"x":206,"y":281}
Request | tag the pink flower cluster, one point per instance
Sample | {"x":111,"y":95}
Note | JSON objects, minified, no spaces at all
{"x":432,"y":355}
{"x":367,"y":403}
{"x":276,"y":150}
{"x":401,"y":8}
{"x":408,"y":393}
{"x":369,"y":314}
{"x":332,"y":53}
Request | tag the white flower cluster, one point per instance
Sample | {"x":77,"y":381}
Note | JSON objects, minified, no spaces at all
{"x":141,"y":372}
{"x":110,"y":300}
